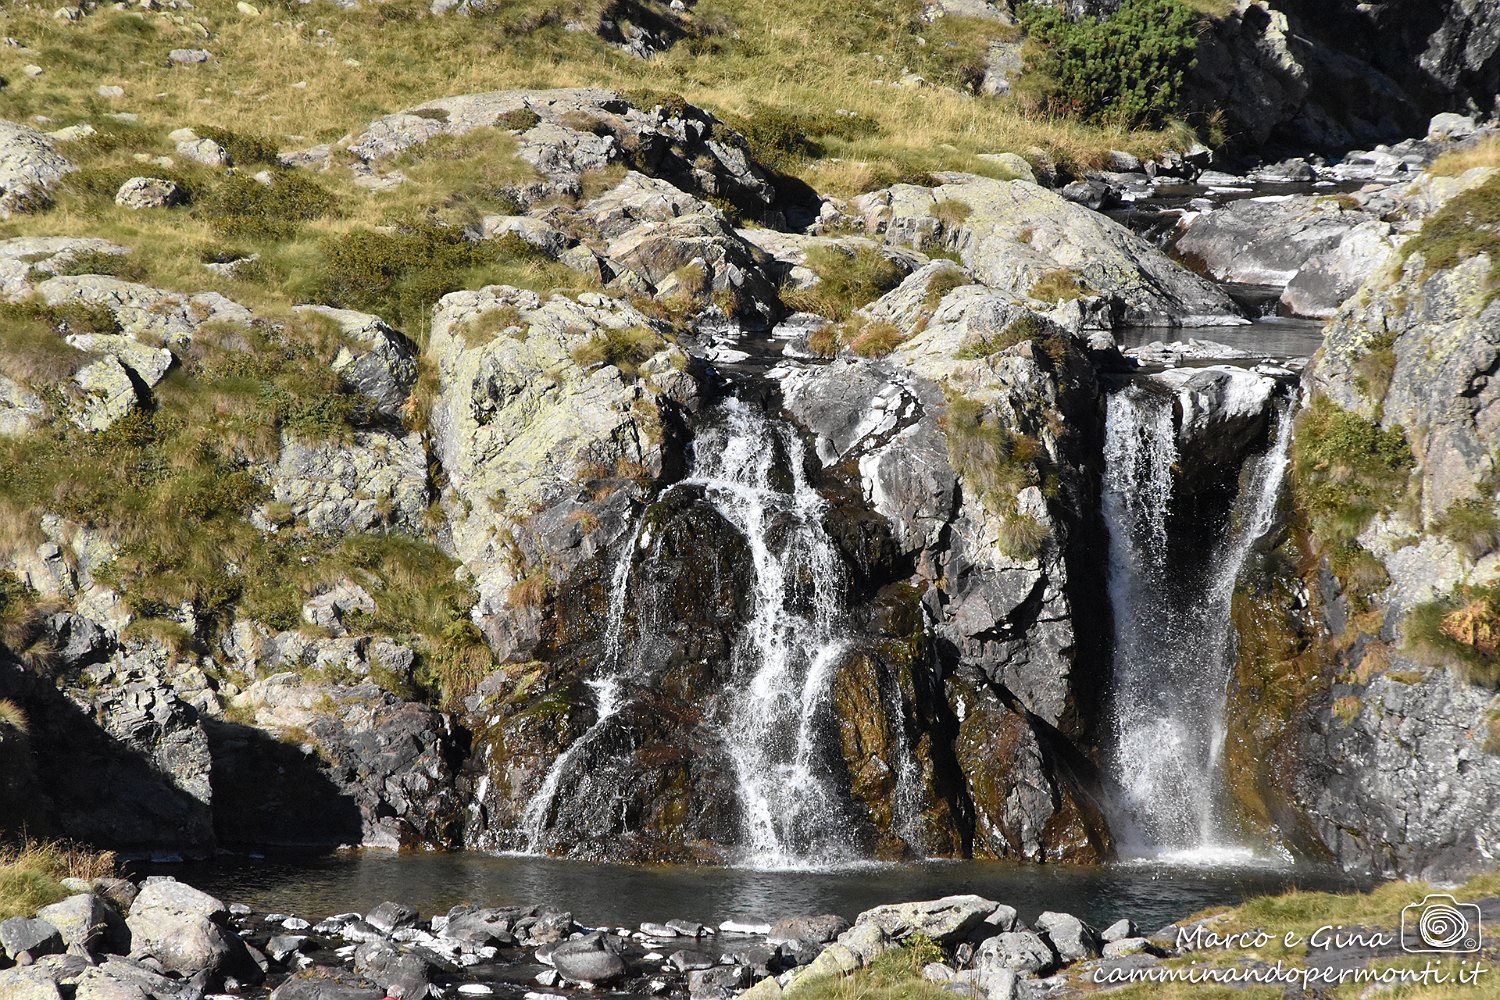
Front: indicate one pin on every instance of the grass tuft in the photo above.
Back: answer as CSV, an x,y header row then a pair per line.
x,y
31,874
847,279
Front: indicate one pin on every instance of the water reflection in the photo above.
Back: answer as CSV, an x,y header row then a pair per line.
x,y
1150,894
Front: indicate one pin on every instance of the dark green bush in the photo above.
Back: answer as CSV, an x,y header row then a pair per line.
x,y
241,206
400,274
781,138
1347,469
244,150
1127,68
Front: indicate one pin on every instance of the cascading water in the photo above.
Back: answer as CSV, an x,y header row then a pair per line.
x,y
608,700
775,714
1174,644
777,709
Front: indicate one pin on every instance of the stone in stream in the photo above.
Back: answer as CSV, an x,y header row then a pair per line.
x,y
327,984
284,946
688,960
29,934
589,959
658,930
480,927
946,921
744,927
384,963
1071,938
718,983
689,928
1117,931
391,917
818,929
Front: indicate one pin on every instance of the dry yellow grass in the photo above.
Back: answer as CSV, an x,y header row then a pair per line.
x,y
1485,153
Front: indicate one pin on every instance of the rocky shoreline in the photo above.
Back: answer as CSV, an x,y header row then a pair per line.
x,y
161,939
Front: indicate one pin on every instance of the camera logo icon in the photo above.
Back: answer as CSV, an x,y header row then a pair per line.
x,y
1440,923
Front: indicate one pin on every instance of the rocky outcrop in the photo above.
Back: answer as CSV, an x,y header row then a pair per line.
x,y
374,482
30,167
563,134
536,399
1334,75
1037,247
1267,241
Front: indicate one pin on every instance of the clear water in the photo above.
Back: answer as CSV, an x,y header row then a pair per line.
x,y
622,895
1174,643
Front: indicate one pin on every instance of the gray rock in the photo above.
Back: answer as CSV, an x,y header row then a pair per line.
x,y
149,192
373,482
188,57
718,983
30,167
88,921
284,946
1019,951
479,927
1450,125
106,393
391,917
186,930
1118,931
204,151
1266,241
328,609
818,929
27,934
404,974
375,360
1017,233
1328,280
20,409
589,959
327,984
28,984
686,960
1071,938
1124,946
946,921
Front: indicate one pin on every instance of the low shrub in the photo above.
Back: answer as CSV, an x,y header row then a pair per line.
x,y
782,138
941,284
1346,469
1022,536
32,871
625,349
244,150
1466,227
875,339
993,461
1059,285
1375,368
847,279
240,206
1126,69
1461,629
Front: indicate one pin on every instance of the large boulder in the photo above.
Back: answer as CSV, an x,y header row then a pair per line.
x,y
374,360
322,983
1033,244
946,921
589,959
89,921
30,983
1266,241
28,934
144,313
186,930
30,167
26,260
375,481
533,395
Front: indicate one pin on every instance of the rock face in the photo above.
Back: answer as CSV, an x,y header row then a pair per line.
x,y
520,422
30,167
1386,714
1031,243
1264,241
1339,74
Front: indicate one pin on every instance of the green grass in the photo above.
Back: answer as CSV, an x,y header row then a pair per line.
x,y
1059,286
1347,470
847,279
995,463
1466,227
31,874
1460,629
1471,525
625,349
894,975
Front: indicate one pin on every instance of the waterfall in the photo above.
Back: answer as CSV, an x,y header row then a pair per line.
x,y
1174,643
776,711
608,700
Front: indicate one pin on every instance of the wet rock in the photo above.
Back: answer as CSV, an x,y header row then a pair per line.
x,y
589,959
284,946
686,960
36,937
718,983
817,929
30,167
1221,411
480,927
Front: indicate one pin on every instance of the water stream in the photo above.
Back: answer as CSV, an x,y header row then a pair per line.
x,y
1174,641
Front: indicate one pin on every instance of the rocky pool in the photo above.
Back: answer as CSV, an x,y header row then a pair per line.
x,y
1150,893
